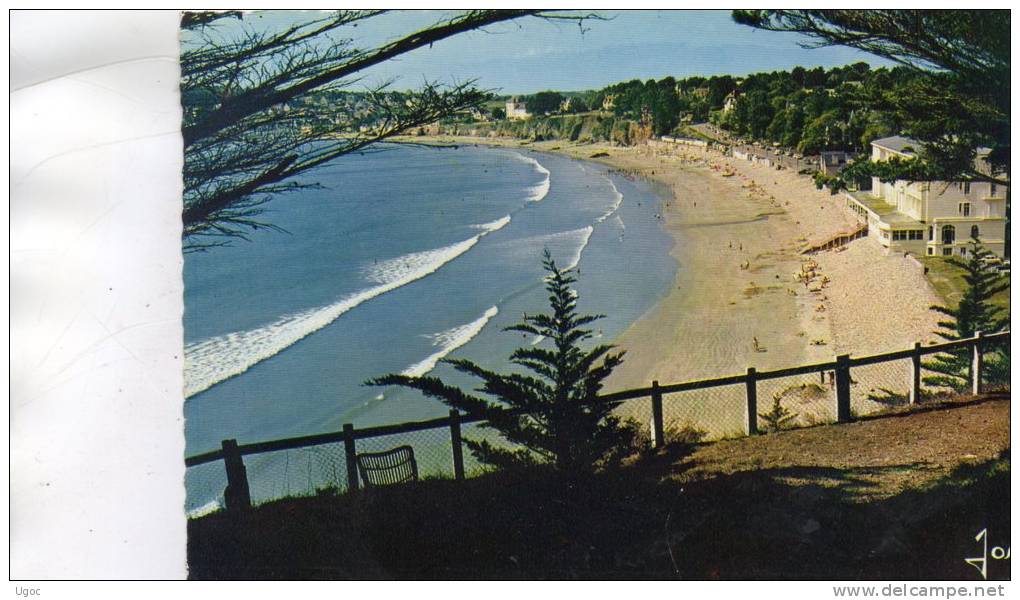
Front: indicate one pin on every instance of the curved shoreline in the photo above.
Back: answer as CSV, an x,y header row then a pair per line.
x,y
740,228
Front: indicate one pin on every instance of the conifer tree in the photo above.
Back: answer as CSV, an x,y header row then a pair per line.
x,y
779,417
975,312
550,417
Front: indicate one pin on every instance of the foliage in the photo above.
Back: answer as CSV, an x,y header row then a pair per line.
x,y
833,183
778,417
544,103
577,105
975,312
262,106
958,97
888,397
551,416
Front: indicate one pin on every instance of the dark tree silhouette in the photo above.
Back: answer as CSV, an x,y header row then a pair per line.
x,y
261,107
551,416
974,313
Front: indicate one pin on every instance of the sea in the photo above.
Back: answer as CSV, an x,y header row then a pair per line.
x,y
396,259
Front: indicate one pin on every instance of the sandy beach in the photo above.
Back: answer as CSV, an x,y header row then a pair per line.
x,y
737,301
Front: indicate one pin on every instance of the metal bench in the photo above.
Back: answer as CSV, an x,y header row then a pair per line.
x,y
389,467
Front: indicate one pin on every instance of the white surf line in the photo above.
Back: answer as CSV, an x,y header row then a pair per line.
x,y
448,341
584,234
216,359
616,204
539,191
205,509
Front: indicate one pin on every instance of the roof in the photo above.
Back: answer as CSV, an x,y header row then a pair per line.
x,y
897,143
885,211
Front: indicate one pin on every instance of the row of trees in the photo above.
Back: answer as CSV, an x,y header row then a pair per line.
x,y
843,112
808,109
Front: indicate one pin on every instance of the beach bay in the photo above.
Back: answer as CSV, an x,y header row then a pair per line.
x,y
740,230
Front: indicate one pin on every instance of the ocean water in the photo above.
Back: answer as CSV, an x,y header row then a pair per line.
x,y
403,257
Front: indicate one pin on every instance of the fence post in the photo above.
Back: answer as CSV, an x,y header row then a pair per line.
x,y
458,449
843,414
658,440
977,363
915,374
352,457
752,401
237,496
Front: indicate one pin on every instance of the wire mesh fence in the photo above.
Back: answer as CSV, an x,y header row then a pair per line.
x,y
204,484
995,370
715,409
796,401
950,372
433,450
638,410
479,432
880,386
706,414
301,471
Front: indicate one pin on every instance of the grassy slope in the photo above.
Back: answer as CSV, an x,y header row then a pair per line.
x,y
789,515
948,282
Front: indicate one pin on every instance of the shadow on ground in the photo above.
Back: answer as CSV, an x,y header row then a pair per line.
x,y
641,522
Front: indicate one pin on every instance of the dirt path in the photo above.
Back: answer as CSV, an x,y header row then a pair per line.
x,y
872,458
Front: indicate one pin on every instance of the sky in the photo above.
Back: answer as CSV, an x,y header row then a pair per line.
x,y
530,55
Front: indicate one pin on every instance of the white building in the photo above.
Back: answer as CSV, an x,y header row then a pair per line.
x,y
730,102
930,217
516,109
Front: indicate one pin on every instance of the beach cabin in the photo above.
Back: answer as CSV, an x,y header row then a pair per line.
x,y
933,218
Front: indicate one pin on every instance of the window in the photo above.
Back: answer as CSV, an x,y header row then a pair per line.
x,y
963,252
931,233
964,208
995,189
966,187
916,234
948,234
974,233
931,251
947,252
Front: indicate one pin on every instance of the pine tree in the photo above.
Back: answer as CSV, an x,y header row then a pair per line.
x,y
779,417
551,417
974,313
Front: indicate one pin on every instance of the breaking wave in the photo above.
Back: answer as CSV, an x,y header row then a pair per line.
x,y
582,235
617,201
216,359
448,341
539,191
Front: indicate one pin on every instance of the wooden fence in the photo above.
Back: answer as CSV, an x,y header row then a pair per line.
x,y
237,496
